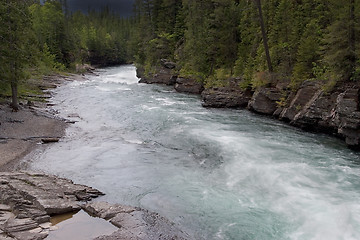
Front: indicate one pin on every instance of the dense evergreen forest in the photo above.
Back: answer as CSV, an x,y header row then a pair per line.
x,y
40,39
255,40
210,40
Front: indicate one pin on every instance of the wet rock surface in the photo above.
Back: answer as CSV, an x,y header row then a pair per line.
x,y
134,223
27,200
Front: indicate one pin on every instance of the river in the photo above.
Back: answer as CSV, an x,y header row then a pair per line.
x,y
218,174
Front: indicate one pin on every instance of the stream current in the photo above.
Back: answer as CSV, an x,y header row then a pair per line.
x,y
217,174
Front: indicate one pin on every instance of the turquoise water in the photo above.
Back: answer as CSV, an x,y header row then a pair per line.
x,y
218,174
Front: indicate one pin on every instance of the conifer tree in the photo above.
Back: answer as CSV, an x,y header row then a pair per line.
x,y
15,49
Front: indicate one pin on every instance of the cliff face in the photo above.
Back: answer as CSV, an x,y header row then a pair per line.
x,y
310,108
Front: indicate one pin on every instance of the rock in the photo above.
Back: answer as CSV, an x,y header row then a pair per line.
x,y
161,76
301,98
316,114
168,64
226,97
188,85
19,225
106,210
135,223
32,198
28,199
81,68
264,100
346,116
140,71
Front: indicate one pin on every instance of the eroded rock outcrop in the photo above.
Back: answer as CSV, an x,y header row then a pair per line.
x,y
188,85
264,100
309,108
134,223
163,74
230,96
29,199
334,113
298,100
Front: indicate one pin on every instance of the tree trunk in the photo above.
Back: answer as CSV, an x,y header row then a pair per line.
x,y
264,36
14,96
352,39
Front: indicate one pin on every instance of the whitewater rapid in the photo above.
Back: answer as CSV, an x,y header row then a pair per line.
x,y
218,174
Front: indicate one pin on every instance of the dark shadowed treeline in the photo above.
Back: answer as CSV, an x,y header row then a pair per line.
x,y
217,39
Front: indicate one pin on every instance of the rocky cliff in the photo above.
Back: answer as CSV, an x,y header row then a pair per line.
x,y
310,107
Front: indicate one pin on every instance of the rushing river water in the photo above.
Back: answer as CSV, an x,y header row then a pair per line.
x,y
218,174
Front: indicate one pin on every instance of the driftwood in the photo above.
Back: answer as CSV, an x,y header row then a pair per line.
x,y
49,140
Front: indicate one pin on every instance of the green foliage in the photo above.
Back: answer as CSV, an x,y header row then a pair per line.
x,y
308,39
308,54
38,39
218,79
16,44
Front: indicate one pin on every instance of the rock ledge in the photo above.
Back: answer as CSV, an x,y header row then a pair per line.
x,y
27,200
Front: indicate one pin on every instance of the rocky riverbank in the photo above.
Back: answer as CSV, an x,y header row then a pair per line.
x,y
335,112
28,201
34,124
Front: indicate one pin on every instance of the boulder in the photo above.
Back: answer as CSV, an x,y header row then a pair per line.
x,y
187,85
346,116
297,102
135,223
264,100
140,71
316,114
225,97
161,76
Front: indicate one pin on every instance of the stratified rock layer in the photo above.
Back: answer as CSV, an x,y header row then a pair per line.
x,y
187,85
310,108
135,223
27,200
229,96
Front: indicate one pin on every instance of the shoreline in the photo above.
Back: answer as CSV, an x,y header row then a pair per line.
x,y
34,124
310,108
29,200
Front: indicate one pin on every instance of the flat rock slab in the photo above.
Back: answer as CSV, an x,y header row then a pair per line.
x,y
135,223
27,200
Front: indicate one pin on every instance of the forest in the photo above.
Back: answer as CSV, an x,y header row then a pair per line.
x,y
255,40
41,39
210,40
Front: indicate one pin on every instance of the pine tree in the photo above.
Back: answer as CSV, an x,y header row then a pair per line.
x,y
339,53
15,49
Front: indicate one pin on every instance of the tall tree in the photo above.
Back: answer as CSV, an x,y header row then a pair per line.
x,y
340,41
264,35
15,32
